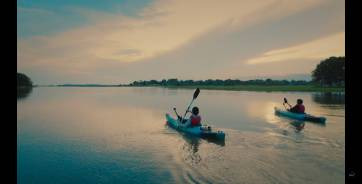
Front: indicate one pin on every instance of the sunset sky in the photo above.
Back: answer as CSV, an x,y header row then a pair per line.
x,y
120,41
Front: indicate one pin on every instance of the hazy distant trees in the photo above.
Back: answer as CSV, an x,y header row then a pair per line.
x,y
216,82
330,71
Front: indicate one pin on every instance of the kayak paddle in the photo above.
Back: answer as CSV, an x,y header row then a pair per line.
x,y
196,93
179,117
286,102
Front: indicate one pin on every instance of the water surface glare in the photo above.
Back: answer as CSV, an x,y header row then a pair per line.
x,y
118,135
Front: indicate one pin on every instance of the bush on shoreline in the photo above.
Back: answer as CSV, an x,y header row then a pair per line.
x,y
23,80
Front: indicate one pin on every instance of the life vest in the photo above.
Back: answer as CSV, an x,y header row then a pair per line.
x,y
195,120
300,108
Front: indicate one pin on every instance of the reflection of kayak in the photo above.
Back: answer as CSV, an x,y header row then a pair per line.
x,y
302,117
195,131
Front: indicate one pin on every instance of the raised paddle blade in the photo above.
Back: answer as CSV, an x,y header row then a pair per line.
x,y
196,93
285,100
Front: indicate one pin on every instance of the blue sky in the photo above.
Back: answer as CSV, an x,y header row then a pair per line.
x,y
89,41
45,17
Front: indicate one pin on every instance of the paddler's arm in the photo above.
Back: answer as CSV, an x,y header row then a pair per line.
x,y
185,115
187,123
290,107
178,116
293,109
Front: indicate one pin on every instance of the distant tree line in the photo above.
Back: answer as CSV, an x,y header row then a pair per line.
x,y
329,72
216,82
86,85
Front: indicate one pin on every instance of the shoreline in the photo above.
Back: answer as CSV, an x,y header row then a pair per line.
x,y
260,88
271,88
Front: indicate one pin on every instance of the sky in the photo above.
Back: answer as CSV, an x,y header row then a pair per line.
x,y
121,41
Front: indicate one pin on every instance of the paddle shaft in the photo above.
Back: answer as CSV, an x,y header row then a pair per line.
x,y
286,102
286,107
176,113
188,108
289,105
196,93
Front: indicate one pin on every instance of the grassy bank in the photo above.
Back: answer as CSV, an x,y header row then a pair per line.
x,y
306,88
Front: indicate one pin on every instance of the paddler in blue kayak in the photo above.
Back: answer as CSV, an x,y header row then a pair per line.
x,y
298,108
194,120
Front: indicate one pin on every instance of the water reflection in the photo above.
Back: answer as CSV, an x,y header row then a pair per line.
x,y
329,98
193,143
23,92
191,147
299,125
117,135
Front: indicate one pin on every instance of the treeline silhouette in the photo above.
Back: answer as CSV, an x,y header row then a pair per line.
x,y
24,85
216,82
23,80
330,72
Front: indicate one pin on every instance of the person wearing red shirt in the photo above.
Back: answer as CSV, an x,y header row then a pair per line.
x,y
298,108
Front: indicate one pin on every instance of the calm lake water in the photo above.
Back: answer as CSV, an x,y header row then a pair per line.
x,y
118,135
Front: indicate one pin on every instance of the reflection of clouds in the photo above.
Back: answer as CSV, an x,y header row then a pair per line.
x,y
264,110
132,120
108,121
79,119
118,126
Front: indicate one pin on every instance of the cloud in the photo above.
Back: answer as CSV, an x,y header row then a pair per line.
x,y
172,24
321,48
166,34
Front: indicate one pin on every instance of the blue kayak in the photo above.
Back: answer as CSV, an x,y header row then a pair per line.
x,y
298,116
195,131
